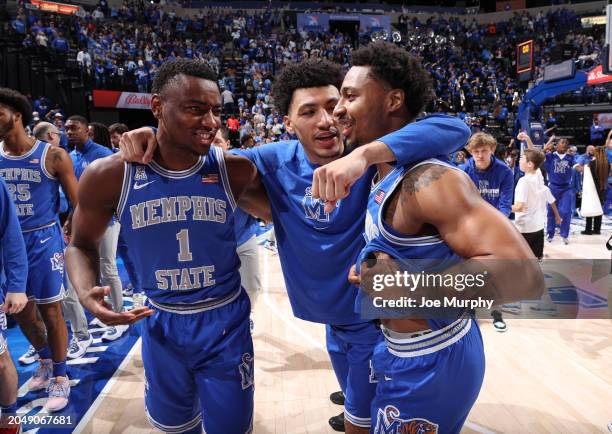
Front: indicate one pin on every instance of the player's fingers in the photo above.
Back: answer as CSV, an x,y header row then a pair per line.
x,y
151,146
330,205
341,187
330,187
315,183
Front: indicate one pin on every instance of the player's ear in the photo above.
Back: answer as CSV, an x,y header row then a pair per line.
x,y
395,100
156,106
288,124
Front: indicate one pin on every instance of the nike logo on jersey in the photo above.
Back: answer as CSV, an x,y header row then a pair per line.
x,y
45,240
138,186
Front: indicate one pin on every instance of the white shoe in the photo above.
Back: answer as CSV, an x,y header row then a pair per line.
x,y
565,241
40,379
59,391
78,347
113,333
137,300
29,356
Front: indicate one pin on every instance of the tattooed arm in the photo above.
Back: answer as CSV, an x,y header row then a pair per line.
x,y
439,198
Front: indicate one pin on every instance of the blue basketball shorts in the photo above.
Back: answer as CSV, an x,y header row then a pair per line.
x,y
45,248
427,383
350,349
199,368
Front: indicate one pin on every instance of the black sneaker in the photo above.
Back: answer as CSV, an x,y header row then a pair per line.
x,y
337,422
498,321
337,398
586,232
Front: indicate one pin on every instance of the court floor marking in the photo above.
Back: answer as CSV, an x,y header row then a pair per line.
x,y
107,387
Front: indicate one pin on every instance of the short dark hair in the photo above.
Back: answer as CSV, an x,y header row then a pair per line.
x,y
18,103
118,128
224,132
400,70
245,139
173,68
535,156
101,134
78,118
305,74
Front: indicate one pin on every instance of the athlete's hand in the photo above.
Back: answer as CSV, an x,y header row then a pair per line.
x,y
353,277
558,220
15,302
138,146
522,136
94,302
333,181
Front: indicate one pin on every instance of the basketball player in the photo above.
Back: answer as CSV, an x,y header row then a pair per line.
x,y
72,309
316,247
559,165
177,212
495,182
429,371
13,265
34,171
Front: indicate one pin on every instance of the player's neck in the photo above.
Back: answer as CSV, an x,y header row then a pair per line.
x,y
17,142
173,157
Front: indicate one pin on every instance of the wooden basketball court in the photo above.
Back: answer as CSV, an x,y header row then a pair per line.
x,y
542,376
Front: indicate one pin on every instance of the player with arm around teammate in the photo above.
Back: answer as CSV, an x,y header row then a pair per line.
x,y
177,211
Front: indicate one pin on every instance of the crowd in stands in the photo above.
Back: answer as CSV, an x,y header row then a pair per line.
x,y
473,65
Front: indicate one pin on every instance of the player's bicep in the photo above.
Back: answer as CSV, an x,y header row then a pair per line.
x,y
98,195
467,223
65,173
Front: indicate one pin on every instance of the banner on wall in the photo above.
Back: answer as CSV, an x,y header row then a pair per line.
x,y
596,76
123,100
320,22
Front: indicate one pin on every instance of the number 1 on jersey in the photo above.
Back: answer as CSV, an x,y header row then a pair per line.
x,y
184,252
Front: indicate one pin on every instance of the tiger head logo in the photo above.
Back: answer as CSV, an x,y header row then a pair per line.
x,y
389,422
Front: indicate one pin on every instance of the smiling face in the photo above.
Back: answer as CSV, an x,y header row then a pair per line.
x,y
189,113
360,111
310,118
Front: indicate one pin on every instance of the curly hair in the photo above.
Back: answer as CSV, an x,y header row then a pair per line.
x,y
305,74
17,103
400,70
173,68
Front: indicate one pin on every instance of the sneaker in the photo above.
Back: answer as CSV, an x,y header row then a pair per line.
x,y
586,232
337,398
565,241
78,347
114,332
97,323
337,422
498,321
29,356
40,379
549,239
128,291
59,390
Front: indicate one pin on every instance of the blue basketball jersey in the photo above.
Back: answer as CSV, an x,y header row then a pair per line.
x,y
414,253
33,189
559,169
316,249
181,226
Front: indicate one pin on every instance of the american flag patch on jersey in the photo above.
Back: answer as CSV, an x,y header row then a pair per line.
x,y
34,161
211,178
379,196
